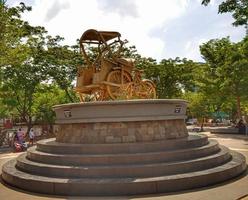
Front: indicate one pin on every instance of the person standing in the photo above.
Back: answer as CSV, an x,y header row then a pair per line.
x,y
31,137
20,135
241,126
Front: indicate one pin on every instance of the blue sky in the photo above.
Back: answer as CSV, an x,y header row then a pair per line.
x,y
158,28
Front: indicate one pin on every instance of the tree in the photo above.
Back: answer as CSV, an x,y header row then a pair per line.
x,y
238,8
13,31
46,96
30,57
172,77
61,64
200,106
226,74
20,69
20,83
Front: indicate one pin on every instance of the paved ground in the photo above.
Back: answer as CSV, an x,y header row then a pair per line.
x,y
232,190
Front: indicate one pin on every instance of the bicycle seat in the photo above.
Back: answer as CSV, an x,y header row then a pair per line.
x,y
126,61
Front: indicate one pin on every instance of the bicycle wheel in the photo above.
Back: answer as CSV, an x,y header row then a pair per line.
x,y
145,90
118,90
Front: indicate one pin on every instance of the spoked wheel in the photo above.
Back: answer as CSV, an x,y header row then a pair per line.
x,y
99,94
120,83
143,90
150,90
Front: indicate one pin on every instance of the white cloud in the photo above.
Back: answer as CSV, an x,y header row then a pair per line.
x,y
158,28
123,8
133,19
55,9
191,49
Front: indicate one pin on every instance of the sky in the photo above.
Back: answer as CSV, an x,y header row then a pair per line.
x,y
160,29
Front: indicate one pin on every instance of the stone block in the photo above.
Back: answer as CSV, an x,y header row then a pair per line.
x,y
112,139
94,140
97,126
147,138
157,136
155,124
103,132
86,139
120,132
109,139
117,140
117,125
129,138
131,131
162,135
81,140
132,124
172,135
55,129
101,139
74,139
76,131
138,136
101,126
161,130
150,130
143,126
111,132
67,128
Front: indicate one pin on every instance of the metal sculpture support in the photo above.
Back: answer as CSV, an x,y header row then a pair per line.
x,y
108,75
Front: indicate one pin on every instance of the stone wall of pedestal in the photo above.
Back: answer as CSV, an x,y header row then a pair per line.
x,y
121,132
121,121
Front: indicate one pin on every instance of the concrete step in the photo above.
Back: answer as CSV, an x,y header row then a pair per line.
x,y
51,146
123,186
130,170
127,158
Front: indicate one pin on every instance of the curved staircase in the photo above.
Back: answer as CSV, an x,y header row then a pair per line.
x,y
123,168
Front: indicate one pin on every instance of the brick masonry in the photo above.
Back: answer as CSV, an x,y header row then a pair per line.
x,y
121,132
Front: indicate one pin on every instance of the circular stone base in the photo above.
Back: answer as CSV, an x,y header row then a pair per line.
x,y
168,171
121,132
121,121
122,148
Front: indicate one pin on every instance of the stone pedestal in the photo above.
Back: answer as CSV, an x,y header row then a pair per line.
x,y
121,121
121,132
122,148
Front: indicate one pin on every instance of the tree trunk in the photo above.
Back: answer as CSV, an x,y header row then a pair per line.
x,y
238,108
29,124
68,95
202,124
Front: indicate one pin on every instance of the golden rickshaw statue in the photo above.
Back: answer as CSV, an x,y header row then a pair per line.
x,y
109,76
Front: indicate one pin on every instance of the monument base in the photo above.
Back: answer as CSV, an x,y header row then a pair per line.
x,y
122,152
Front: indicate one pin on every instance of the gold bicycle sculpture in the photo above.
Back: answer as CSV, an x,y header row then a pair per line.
x,y
109,76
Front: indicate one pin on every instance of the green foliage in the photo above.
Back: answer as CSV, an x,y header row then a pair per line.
x,y
28,58
37,71
225,75
61,63
13,33
172,77
45,98
200,106
20,72
238,8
